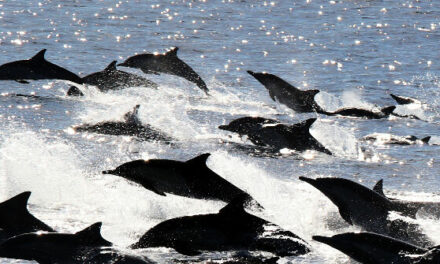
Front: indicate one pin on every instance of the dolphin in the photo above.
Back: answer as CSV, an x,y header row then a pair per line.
x,y
410,208
269,132
112,79
36,68
231,229
190,178
397,140
371,248
86,246
167,63
131,126
402,100
287,94
364,113
15,218
363,207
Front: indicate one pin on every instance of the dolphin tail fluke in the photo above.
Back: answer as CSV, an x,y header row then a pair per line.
x,y
426,139
402,100
378,187
92,236
388,110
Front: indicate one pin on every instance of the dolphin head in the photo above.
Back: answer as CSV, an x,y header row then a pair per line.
x,y
370,247
357,204
127,170
246,125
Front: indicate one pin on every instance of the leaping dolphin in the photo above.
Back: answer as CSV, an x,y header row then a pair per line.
x,y
402,100
364,113
363,207
112,79
397,140
131,126
84,247
15,218
269,132
371,248
36,68
165,63
190,178
287,94
230,229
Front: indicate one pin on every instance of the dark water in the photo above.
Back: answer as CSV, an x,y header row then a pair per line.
x,y
355,52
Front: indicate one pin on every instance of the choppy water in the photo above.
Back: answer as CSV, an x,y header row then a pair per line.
x,y
356,52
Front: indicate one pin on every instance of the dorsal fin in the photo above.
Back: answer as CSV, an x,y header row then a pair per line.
x,y
199,161
388,110
236,206
39,56
426,139
91,236
307,123
111,66
132,116
378,187
18,202
172,52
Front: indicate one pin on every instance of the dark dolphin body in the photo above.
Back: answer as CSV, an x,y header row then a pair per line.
x,y
190,178
36,68
86,246
229,230
287,94
357,112
269,132
371,248
15,218
112,79
165,63
130,127
410,208
363,207
398,140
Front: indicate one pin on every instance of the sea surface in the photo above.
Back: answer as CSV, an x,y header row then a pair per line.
x,y
356,52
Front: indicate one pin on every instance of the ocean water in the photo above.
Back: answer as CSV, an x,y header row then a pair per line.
x,y
356,52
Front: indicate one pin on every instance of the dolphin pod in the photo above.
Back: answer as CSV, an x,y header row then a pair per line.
x,y
268,132
131,126
36,68
112,79
232,228
371,248
191,178
368,209
165,63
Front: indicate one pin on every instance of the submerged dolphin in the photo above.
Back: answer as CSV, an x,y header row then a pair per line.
x,y
287,94
269,132
190,178
111,79
36,68
397,140
86,246
165,63
131,126
15,218
230,229
363,207
371,248
364,113
410,208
